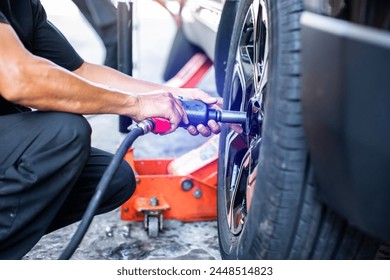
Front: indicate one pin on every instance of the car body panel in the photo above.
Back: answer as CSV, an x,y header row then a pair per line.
x,y
373,13
346,109
200,23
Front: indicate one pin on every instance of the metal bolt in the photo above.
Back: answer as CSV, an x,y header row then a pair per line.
x,y
187,185
197,193
109,231
153,201
137,180
126,209
126,231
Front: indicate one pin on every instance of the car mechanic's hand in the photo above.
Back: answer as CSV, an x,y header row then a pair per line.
x,y
164,104
160,104
213,102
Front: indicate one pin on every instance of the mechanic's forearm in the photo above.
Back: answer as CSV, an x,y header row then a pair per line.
x,y
110,77
45,86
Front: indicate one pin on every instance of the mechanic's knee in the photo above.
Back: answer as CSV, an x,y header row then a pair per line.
x,y
73,128
76,125
121,187
125,181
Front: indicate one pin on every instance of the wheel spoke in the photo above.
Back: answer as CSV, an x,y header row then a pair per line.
x,y
236,212
237,86
261,47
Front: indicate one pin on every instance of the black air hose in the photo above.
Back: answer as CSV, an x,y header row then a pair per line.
x,y
134,133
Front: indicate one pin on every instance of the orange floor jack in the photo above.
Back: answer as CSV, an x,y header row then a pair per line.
x,y
183,188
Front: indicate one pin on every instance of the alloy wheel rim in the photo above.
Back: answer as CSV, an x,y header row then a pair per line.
x,y
247,93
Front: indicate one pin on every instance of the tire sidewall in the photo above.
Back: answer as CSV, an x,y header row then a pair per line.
x,y
271,221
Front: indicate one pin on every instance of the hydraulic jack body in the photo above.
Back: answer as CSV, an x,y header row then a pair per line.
x,y
182,188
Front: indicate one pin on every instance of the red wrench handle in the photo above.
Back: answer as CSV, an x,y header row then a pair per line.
x,y
161,125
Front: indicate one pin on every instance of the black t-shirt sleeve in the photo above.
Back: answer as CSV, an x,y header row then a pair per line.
x,y
2,18
50,43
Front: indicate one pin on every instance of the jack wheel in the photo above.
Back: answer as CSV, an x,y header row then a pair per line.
x,y
153,226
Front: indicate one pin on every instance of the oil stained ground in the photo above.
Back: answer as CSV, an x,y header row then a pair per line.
x,y
109,238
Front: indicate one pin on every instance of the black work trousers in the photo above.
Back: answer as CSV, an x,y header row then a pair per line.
x,y
48,173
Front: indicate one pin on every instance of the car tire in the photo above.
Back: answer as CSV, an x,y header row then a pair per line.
x,y
280,215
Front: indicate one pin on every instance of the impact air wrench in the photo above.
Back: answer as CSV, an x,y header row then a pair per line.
x,y
199,112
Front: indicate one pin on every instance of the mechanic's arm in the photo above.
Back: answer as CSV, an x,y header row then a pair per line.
x,y
115,79
35,82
